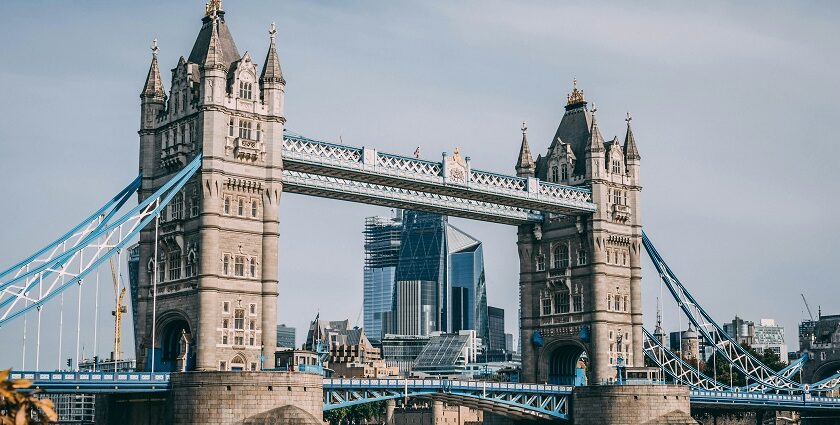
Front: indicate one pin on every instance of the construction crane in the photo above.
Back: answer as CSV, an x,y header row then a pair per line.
x,y
807,307
117,312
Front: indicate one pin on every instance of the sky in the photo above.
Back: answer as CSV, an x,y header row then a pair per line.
x,y
734,109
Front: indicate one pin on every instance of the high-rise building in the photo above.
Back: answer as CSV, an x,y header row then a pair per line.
x,y
467,283
770,337
422,275
286,336
382,252
422,262
509,342
495,344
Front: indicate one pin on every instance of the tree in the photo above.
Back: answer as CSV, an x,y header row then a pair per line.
x,y
356,414
20,408
720,368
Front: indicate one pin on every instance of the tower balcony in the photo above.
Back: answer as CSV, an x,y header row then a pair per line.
x,y
175,156
620,212
247,149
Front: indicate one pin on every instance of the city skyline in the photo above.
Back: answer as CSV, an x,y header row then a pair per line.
x,y
738,193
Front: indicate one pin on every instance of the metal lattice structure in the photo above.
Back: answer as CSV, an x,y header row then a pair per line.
x,y
66,261
421,182
677,368
763,377
535,401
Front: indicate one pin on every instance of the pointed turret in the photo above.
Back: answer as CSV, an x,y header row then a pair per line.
x,y
154,85
659,333
272,83
525,166
596,140
214,45
631,152
271,72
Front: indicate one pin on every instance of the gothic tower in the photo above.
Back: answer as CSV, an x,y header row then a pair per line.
x,y
580,276
216,268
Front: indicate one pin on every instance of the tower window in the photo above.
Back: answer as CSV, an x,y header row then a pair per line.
x,y
226,265
253,308
241,208
259,132
546,306
183,101
226,309
245,129
253,266
625,305
194,204
245,90
183,134
564,172
239,266
561,256
254,209
162,270
224,340
251,325
540,263
227,205
554,173
239,340
561,302
578,302
616,167
230,127
616,196
581,257
191,264
178,207
239,319
617,303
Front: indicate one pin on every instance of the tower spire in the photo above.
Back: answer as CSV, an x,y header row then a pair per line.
x,y
630,149
596,140
575,99
154,85
525,166
271,72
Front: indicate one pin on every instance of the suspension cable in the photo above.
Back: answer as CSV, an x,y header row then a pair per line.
x,y
154,289
79,310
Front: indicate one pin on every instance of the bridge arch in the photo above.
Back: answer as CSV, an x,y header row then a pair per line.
x,y
565,362
174,341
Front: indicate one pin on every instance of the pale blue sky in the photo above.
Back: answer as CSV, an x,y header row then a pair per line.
x,y
735,112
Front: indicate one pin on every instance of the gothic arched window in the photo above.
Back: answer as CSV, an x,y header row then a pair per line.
x,y
561,256
564,172
254,209
554,174
253,267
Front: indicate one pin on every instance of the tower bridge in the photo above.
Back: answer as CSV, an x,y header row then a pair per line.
x,y
215,159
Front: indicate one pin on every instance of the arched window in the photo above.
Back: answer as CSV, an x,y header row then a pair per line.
x,y
245,129
554,174
254,209
174,265
561,301
561,256
238,363
227,205
230,127
259,132
239,266
540,262
177,208
581,257
194,203
241,209
253,267
192,264
239,319
226,265
564,172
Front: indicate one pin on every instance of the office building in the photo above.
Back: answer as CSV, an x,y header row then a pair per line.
x,y
448,354
286,336
422,275
401,351
768,336
382,252
495,348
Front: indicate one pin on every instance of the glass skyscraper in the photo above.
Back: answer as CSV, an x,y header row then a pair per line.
x,y
382,252
422,275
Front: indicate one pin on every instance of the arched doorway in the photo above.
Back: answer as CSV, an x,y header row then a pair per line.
x,y
237,363
567,365
175,347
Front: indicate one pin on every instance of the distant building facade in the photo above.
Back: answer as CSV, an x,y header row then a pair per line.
x,y
448,354
382,253
765,336
401,351
286,336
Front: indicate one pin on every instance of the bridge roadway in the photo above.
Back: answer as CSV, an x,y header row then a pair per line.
x,y
527,400
451,186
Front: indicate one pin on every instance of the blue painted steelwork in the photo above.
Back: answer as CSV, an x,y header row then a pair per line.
x,y
109,235
741,359
804,401
541,401
96,382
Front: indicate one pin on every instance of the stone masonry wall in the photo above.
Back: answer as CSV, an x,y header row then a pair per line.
x,y
631,405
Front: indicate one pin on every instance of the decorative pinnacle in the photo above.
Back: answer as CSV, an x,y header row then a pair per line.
x,y
576,96
629,118
272,32
524,128
155,48
594,109
212,6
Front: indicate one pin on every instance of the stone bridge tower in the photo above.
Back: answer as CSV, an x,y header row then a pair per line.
x,y
580,276
216,268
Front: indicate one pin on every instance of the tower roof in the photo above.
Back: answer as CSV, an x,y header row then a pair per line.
x,y
214,43
575,99
154,84
630,149
525,163
573,130
271,72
